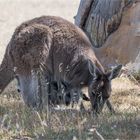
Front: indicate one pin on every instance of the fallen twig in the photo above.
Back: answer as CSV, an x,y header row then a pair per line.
x,y
97,133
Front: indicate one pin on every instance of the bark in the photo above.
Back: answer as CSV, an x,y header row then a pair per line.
x,y
104,17
83,12
100,18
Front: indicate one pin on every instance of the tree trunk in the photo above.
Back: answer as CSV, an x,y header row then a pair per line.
x,y
83,12
99,18
113,26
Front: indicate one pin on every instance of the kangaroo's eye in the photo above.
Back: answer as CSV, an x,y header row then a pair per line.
x,y
100,85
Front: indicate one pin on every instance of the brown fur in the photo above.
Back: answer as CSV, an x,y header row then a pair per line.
x,y
6,71
62,49
21,51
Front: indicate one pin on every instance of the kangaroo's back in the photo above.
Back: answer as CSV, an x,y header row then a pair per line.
x,y
68,42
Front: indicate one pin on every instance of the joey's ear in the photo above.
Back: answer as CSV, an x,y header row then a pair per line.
x,y
114,72
94,71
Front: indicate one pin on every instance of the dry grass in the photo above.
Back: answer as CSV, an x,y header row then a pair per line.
x,y
19,122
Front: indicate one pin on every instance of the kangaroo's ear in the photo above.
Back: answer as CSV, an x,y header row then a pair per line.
x,y
94,71
114,72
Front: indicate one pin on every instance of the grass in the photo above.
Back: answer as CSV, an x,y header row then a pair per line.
x,y
20,123
17,122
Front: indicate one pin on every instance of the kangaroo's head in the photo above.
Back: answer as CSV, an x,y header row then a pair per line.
x,y
100,86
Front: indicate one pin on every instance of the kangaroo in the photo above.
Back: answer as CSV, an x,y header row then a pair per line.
x,y
65,54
